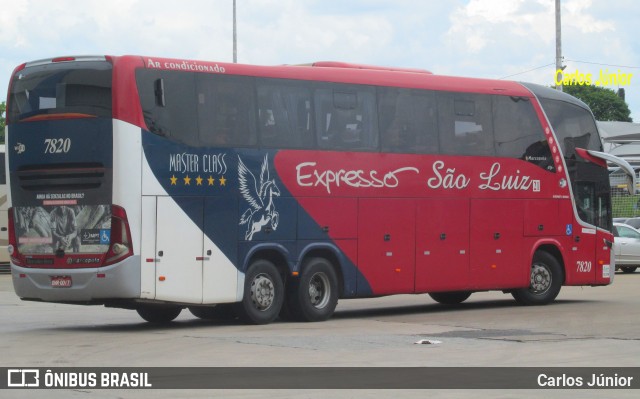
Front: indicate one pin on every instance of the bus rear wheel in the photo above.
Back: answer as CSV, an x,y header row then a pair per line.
x,y
159,314
545,283
263,294
450,298
628,269
314,295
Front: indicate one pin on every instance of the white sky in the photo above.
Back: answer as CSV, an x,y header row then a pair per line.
x,y
477,38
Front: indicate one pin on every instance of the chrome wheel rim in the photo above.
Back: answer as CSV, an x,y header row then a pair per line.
x,y
319,290
263,292
540,279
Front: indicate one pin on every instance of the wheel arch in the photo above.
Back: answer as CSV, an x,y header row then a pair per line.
x,y
553,249
275,253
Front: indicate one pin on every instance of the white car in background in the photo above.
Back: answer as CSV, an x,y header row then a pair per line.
x,y
627,247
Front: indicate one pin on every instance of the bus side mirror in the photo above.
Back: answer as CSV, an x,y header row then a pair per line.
x,y
603,158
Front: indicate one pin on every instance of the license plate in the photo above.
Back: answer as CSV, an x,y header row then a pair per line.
x,y
606,271
61,281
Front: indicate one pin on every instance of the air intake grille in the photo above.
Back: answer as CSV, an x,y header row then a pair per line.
x,y
61,177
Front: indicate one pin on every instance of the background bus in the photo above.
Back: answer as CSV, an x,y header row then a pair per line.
x,y
4,228
158,184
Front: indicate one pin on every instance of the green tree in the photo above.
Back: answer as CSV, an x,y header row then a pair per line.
x,y
605,104
3,107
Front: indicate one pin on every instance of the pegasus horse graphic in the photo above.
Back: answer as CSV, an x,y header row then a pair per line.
x,y
259,196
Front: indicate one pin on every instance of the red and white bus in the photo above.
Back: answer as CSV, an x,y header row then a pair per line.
x,y
160,184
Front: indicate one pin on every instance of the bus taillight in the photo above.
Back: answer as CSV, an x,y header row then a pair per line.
x,y
120,247
16,258
63,59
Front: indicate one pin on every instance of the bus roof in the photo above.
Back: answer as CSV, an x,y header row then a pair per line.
x,y
330,71
338,72
336,64
553,94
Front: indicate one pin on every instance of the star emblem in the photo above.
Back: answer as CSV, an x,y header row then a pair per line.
x,y
199,181
223,181
211,180
174,180
187,180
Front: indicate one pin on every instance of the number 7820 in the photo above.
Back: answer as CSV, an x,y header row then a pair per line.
x,y
57,146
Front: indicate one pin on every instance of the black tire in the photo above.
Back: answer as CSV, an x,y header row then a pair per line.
x,y
159,314
223,311
263,294
546,280
450,298
628,269
314,295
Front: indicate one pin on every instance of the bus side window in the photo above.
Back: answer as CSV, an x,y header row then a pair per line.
x,y
585,201
226,110
345,118
408,121
518,132
176,119
465,124
284,115
324,112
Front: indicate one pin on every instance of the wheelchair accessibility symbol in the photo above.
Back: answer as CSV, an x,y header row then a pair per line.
x,y
105,237
569,229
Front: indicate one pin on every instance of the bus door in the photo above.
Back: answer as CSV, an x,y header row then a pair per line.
x,y
179,248
386,244
581,269
220,277
442,245
189,266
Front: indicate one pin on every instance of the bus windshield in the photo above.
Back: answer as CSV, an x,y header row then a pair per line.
x,y
575,128
70,87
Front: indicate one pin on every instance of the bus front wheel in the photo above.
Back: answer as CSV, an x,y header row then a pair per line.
x,y
159,314
545,282
263,294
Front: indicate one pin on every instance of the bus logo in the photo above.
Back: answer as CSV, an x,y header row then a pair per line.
x,y
90,237
23,378
259,196
20,148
